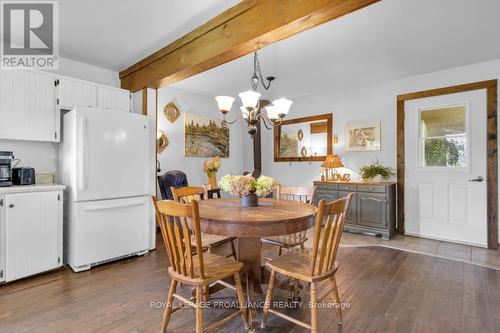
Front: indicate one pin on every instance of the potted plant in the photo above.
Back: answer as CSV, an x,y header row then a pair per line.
x,y
248,188
211,167
375,172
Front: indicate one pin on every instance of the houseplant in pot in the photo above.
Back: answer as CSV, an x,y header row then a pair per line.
x,y
248,188
211,167
375,172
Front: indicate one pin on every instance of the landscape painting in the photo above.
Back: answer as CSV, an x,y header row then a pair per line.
x,y
362,137
205,137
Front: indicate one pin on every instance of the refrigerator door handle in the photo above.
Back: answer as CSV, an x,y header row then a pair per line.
x,y
115,206
84,150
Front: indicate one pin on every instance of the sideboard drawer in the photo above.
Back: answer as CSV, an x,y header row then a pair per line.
x,y
343,187
329,187
371,188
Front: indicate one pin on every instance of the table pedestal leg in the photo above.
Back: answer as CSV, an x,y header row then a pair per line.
x,y
249,254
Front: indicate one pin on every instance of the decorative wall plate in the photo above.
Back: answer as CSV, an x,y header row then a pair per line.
x,y
161,142
300,135
303,152
171,112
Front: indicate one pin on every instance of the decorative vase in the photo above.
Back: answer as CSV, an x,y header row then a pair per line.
x,y
212,180
251,200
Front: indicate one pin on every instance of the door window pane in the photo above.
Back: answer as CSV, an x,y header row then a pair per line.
x,y
443,137
443,122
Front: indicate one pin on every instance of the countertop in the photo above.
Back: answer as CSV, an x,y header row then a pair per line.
x,y
31,188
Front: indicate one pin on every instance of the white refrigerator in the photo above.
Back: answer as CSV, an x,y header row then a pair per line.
x,y
104,164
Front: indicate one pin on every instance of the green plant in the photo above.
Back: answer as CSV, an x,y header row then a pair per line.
x,y
376,168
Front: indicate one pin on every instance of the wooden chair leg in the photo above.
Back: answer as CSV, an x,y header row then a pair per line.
x,y
169,306
206,293
233,249
199,309
314,308
296,284
302,246
279,251
241,299
269,297
336,297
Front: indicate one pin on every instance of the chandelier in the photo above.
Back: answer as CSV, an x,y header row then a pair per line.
x,y
252,107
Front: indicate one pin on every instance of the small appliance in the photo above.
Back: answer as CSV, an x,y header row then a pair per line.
x,y
23,176
6,158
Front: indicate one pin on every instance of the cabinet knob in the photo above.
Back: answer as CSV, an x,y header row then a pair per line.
x,y
11,206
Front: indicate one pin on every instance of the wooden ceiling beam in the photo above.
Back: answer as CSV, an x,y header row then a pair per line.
x,y
247,26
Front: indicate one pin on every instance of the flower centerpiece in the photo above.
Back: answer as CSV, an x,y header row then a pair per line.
x,y
211,167
248,188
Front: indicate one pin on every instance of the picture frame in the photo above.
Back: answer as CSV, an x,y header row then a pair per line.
x,y
171,112
363,136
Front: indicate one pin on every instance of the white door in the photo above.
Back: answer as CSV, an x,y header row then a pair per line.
x,y
74,93
33,233
27,106
114,99
445,167
112,154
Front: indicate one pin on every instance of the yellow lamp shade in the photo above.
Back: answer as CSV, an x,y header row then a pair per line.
x,y
332,161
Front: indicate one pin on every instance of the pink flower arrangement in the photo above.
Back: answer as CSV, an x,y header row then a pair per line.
x,y
246,185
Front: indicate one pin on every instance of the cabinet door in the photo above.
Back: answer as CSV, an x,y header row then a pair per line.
x,y
32,231
351,214
372,210
71,93
114,99
27,107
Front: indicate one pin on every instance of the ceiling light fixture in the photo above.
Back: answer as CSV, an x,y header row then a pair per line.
x,y
252,109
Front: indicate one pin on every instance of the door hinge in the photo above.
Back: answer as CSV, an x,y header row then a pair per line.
x,y
1,202
1,273
58,260
56,82
57,101
58,197
55,135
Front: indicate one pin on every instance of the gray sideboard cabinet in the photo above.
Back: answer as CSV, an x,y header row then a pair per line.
x,y
373,206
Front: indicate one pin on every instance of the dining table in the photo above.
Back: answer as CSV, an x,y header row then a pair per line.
x,y
227,217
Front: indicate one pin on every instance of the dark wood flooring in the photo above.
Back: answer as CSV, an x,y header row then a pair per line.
x,y
388,291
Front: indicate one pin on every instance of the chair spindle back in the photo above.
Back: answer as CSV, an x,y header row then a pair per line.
x,y
176,235
326,243
187,194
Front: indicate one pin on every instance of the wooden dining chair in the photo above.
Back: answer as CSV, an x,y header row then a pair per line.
x,y
186,195
199,269
287,242
314,265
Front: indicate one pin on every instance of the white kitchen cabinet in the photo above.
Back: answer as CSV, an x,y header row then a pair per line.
x,y
27,106
32,235
72,93
113,98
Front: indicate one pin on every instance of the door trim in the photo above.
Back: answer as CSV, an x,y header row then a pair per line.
x,y
491,150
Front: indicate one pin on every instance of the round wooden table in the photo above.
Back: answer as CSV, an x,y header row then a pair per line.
x,y
226,217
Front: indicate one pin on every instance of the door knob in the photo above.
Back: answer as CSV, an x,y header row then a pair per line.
x,y
477,179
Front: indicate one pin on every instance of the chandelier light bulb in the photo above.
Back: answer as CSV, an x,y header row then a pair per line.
x,y
225,103
244,112
283,106
249,98
272,112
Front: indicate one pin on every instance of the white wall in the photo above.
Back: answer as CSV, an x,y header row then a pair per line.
x,y
43,156
172,158
370,103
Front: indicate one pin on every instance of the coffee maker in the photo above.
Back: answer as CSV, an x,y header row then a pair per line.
x,y
6,159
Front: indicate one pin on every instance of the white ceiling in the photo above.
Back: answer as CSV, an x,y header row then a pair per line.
x,y
115,34
388,40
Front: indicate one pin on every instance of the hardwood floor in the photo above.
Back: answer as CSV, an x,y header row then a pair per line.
x,y
388,291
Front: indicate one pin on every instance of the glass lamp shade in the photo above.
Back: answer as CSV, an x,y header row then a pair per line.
x,y
332,161
249,98
283,106
224,103
272,112
244,112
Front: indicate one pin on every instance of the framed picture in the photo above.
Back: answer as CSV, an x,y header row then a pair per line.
x,y
205,137
362,136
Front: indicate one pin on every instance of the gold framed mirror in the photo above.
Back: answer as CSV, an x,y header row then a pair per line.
x,y
171,112
304,139
161,141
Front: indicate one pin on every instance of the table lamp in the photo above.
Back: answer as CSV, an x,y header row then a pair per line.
x,y
332,161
